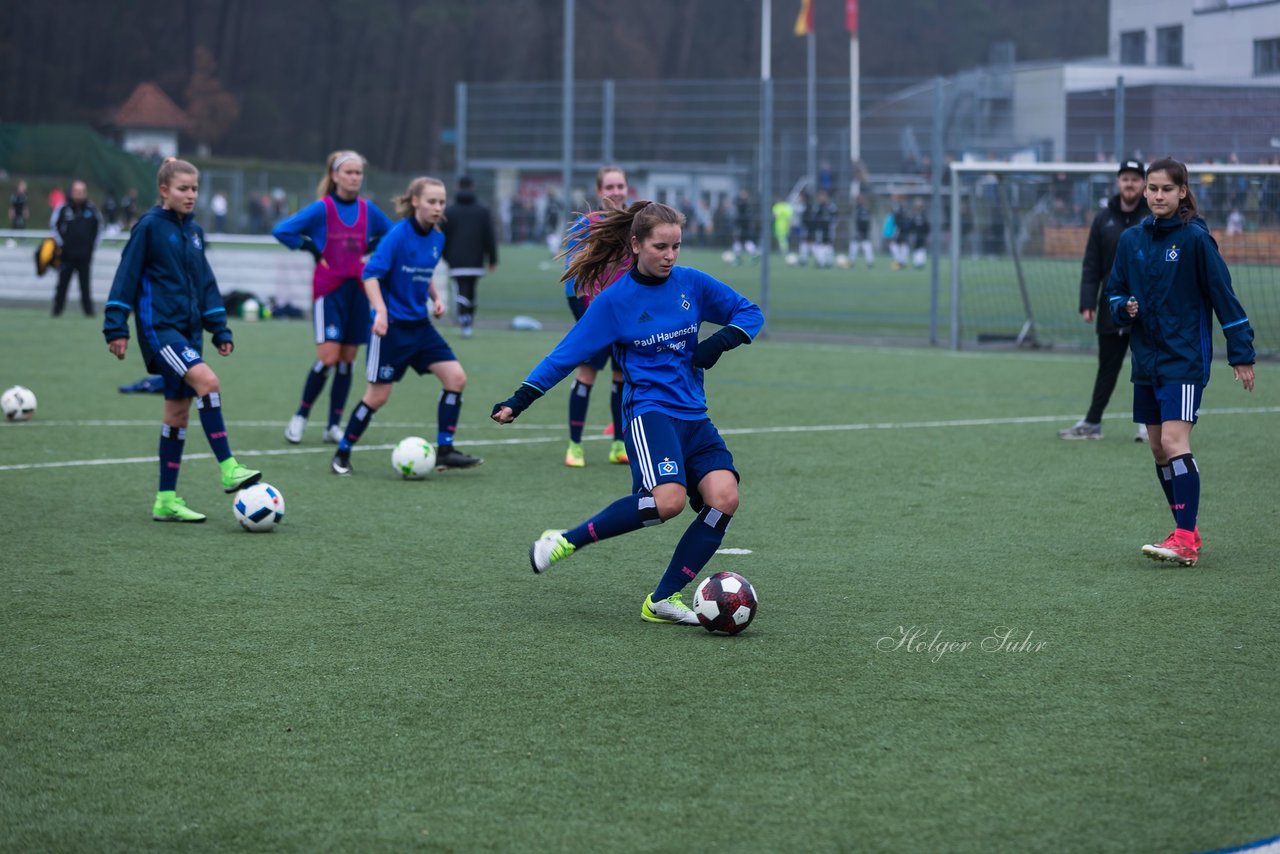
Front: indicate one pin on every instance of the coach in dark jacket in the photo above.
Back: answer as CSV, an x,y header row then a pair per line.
x,y
77,227
1126,208
470,249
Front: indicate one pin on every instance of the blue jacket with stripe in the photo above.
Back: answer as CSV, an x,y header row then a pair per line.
x,y
1175,272
165,280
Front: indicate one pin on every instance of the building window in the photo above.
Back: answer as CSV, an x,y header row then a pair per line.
x,y
1266,56
1169,45
1133,47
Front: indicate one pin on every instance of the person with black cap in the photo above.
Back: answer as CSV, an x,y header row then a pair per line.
x,y
470,248
1123,210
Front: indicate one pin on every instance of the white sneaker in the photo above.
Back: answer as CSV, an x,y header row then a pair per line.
x,y
293,433
1141,435
669,610
1081,430
549,548
333,435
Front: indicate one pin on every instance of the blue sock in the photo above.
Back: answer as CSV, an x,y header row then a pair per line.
x,y
695,548
579,397
360,419
447,417
338,395
621,517
171,441
210,409
1164,474
615,409
316,378
1186,491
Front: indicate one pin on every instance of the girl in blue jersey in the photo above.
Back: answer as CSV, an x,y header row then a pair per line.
x,y
339,230
651,318
1167,282
611,186
165,281
398,282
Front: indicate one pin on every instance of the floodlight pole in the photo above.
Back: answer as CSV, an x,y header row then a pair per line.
x,y
566,110
765,206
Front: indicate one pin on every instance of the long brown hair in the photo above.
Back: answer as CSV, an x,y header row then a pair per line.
x,y
1178,175
606,248
404,204
327,185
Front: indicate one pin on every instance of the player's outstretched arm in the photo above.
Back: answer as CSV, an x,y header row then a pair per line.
x,y
509,409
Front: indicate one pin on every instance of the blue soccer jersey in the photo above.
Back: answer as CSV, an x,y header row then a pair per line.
x,y
403,264
652,325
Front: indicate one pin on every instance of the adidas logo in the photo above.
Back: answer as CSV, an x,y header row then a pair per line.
x,y
644,317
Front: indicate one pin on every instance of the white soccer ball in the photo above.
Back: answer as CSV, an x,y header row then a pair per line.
x,y
18,403
729,256
842,261
791,259
414,458
259,507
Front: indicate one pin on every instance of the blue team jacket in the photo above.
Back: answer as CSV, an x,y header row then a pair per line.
x,y
165,279
1177,275
652,325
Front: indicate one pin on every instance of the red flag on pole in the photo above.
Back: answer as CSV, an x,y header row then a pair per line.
x,y
804,21
851,16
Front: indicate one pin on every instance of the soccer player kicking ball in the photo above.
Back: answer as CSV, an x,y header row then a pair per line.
x,y
165,280
398,282
651,317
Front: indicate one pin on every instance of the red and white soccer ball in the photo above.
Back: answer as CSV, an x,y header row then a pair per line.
x,y
725,602
18,403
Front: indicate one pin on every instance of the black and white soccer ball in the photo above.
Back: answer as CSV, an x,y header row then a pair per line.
x,y
725,602
18,403
259,507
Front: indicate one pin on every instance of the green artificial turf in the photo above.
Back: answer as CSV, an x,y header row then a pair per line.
x,y
383,672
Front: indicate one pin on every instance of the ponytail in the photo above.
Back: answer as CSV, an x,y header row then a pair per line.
x,y
605,250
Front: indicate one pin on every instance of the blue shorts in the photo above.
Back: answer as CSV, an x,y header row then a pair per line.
x,y
1156,404
663,449
601,358
343,315
408,344
172,360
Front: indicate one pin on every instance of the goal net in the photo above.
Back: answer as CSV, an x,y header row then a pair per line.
x,y
1017,233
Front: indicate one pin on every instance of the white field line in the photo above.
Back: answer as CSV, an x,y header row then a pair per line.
x,y
559,437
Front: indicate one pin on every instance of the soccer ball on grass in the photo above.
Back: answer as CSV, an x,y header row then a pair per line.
x,y
414,458
725,602
259,507
18,403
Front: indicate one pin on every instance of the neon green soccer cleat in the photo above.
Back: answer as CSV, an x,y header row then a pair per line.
x,y
235,476
573,457
170,508
549,548
670,610
618,453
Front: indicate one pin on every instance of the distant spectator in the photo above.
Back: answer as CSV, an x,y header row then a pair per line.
x,y
470,248
56,198
257,215
18,206
129,209
110,210
77,228
218,207
744,225
1235,222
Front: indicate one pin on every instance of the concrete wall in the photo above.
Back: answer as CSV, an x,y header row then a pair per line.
x,y
1217,35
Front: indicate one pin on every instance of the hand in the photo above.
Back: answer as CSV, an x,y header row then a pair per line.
x,y
380,323
118,347
438,308
321,262
503,414
1132,307
225,348
1088,315
1244,374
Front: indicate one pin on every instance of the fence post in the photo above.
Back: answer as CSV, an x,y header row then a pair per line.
x,y
460,129
1121,153
935,206
607,96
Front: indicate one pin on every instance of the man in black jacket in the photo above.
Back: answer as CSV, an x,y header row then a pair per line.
x,y
470,248
1125,209
77,228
